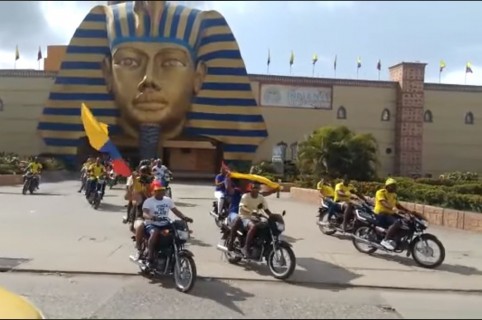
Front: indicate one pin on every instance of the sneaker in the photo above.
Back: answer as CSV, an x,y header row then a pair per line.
x,y
137,256
388,244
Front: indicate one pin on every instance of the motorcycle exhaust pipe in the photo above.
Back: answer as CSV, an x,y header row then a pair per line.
x,y
373,244
212,213
222,248
323,224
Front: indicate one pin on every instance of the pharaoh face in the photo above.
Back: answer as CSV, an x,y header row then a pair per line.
x,y
153,83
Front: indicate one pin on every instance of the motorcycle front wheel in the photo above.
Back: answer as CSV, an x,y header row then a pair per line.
x,y
185,284
323,224
25,188
420,249
275,255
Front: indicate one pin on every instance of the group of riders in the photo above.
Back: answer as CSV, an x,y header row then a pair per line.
x,y
340,199
146,194
146,197
239,198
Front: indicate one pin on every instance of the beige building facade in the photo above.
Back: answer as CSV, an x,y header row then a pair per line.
x,y
421,128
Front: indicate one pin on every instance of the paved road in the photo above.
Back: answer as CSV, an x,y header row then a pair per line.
x,y
107,297
57,230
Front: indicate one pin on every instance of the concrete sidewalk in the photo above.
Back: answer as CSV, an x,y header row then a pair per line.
x,y
58,231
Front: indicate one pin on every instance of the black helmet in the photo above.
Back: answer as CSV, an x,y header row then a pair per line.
x,y
145,170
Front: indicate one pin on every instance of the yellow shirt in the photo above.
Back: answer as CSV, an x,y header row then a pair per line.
x,y
249,204
96,170
346,189
384,195
325,190
35,167
137,186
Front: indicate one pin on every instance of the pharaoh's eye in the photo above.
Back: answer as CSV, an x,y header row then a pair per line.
x,y
173,63
128,62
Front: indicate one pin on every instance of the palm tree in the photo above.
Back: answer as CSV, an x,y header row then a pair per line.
x,y
335,151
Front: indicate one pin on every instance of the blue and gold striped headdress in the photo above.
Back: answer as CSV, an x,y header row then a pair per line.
x,y
225,109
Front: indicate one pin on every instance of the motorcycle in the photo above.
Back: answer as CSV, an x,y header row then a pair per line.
x,y
220,218
171,255
95,196
112,179
167,179
367,239
267,245
330,225
30,183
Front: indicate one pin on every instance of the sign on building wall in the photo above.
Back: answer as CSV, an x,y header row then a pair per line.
x,y
274,95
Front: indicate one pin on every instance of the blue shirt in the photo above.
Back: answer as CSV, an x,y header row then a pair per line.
x,y
220,178
235,200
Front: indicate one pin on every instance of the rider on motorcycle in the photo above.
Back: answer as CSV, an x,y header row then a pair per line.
x,y
161,172
327,193
94,171
83,172
220,188
35,168
155,209
235,190
344,192
250,202
385,204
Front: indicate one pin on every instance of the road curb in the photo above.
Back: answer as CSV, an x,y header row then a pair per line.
x,y
320,285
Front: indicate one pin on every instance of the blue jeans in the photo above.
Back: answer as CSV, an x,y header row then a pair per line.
x,y
386,220
332,207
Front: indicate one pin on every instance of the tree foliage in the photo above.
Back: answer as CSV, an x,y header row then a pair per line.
x,y
336,151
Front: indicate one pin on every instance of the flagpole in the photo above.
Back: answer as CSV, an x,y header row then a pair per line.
x,y
313,71
440,76
291,69
38,64
15,65
357,69
378,75
267,71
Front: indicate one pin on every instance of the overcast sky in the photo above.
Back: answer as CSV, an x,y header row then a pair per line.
x,y
390,31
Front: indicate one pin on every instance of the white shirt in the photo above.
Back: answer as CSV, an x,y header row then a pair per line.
x,y
129,182
158,208
159,173
248,204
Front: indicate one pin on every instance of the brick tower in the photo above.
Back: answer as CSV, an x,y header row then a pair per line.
x,y
409,117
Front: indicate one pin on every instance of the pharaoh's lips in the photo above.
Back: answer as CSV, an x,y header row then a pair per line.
x,y
149,102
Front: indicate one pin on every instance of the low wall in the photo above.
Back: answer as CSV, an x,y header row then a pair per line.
x,y
470,221
10,179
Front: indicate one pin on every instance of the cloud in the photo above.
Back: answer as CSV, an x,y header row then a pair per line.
x,y
459,76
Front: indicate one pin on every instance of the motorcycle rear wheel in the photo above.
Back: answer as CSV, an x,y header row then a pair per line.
x,y
363,232
325,229
231,256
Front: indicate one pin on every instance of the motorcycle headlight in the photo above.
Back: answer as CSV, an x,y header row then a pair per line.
x,y
183,235
280,226
424,223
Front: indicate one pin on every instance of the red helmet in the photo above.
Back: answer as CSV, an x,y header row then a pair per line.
x,y
157,185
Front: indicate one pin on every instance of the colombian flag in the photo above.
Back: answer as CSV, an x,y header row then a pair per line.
x,y
98,135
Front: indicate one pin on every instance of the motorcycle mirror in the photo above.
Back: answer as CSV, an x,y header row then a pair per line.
x,y
284,213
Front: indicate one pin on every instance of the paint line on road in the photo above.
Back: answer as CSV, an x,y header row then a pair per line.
x,y
319,285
